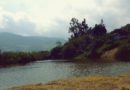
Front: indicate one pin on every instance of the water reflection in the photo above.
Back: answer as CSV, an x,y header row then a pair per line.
x,y
83,69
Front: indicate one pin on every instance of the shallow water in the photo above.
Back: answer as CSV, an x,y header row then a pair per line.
x,y
44,71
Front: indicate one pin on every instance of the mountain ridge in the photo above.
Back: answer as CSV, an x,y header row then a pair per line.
x,y
15,42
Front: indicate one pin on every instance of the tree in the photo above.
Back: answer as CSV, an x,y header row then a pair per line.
x,y
58,43
76,28
56,52
123,53
85,26
99,29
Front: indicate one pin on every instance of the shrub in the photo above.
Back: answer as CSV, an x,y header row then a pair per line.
x,y
56,53
123,53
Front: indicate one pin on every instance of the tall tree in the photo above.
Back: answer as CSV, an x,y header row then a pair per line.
x,y
77,28
99,29
74,27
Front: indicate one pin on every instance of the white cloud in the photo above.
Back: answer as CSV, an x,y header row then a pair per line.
x,y
18,23
49,17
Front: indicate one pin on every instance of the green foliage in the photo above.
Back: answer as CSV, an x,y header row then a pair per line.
x,y
40,55
87,42
56,52
80,28
76,28
123,53
7,58
69,51
99,30
81,57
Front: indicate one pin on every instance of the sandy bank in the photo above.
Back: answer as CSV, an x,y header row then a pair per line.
x,y
121,82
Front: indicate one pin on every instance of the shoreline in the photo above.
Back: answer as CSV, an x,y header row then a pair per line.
x,y
121,82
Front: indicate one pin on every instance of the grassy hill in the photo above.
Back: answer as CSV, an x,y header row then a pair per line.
x,y
95,43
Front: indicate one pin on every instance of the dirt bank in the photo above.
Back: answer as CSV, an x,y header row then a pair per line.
x,y
110,55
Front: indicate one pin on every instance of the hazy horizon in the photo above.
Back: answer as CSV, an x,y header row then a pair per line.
x,y
51,18
40,36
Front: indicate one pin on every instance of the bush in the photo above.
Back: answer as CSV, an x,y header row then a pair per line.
x,y
7,58
123,53
93,54
69,51
56,53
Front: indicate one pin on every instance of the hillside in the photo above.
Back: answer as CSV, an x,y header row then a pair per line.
x,y
13,42
94,43
86,43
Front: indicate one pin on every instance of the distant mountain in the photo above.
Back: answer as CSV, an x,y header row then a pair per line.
x,y
13,42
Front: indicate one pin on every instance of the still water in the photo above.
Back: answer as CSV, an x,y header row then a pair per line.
x,y
44,71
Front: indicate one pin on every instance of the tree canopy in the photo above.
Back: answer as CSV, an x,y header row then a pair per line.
x,y
78,29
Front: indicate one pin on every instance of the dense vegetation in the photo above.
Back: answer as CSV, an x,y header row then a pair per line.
x,y
93,42
11,58
85,43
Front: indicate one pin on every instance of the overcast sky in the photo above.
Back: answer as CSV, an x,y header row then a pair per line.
x,y
52,17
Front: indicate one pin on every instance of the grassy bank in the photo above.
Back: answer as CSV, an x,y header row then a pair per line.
x,y
14,58
121,82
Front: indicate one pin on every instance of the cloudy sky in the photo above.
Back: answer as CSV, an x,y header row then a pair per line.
x,y
51,17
